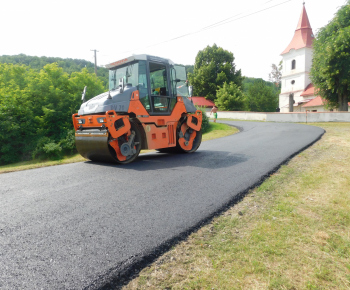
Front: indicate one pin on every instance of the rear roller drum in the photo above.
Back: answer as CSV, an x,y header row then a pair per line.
x,y
187,135
183,135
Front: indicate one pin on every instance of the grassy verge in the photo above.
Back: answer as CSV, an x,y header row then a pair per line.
x,y
216,131
292,232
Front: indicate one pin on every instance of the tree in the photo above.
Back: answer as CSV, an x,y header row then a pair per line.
x,y
213,67
16,116
231,98
262,97
276,74
330,69
189,68
36,110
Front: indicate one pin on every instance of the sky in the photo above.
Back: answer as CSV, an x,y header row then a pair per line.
x,y
255,31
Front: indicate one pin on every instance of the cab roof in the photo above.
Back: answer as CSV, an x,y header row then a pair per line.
x,y
138,57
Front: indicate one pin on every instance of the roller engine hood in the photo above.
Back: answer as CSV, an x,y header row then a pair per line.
x,y
117,101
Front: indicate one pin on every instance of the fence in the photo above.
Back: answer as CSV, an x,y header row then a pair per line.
x,y
295,117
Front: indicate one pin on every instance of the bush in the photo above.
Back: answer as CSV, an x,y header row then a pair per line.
x,y
47,149
53,151
68,143
36,109
231,98
205,120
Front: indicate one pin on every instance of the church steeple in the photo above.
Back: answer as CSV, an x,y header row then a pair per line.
x,y
303,35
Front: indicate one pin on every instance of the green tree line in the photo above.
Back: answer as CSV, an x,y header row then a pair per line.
x,y
67,64
214,76
36,108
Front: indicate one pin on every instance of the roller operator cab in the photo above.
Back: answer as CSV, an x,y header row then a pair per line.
x,y
146,107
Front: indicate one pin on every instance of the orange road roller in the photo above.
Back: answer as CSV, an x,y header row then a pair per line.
x,y
146,107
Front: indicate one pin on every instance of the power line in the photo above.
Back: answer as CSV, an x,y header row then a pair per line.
x,y
256,12
214,25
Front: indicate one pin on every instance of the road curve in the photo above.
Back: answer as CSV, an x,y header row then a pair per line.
x,y
83,225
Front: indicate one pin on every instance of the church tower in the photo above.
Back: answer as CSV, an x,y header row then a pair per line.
x,y
296,87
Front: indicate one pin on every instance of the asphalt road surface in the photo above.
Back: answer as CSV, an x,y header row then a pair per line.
x,y
85,225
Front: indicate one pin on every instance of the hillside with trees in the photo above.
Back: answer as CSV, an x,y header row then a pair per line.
x,y
68,65
262,96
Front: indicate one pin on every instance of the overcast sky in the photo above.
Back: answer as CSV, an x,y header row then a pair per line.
x,y
256,32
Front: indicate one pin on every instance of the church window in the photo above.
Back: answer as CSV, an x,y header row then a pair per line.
x,y
293,64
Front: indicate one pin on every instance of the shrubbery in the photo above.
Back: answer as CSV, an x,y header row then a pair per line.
x,y
205,120
36,110
231,98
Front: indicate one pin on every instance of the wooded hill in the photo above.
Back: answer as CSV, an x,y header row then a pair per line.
x,y
69,65
262,96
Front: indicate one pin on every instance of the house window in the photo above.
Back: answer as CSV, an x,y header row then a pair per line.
x,y
292,82
293,63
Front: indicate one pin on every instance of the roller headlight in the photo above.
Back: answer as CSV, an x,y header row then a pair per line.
x,y
101,120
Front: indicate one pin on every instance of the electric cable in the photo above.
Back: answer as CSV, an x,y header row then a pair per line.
x,y
214,25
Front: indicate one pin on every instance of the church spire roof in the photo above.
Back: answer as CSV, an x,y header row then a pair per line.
x,y
303,35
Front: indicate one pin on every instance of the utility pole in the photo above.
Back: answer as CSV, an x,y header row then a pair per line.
x,y
95,60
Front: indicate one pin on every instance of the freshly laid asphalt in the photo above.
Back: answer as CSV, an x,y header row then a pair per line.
x,y
88,225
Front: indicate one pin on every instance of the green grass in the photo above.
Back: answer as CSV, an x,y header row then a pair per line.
x,y
39,163
216,131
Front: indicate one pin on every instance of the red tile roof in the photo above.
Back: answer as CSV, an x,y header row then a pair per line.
x,y
202,101
309,91
318,101
303,35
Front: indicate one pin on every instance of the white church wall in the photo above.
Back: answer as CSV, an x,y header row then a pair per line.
x,y
295,80
303,59
308,64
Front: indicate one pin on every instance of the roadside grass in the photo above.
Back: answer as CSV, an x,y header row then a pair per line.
x,y
291,232
216,131
31,164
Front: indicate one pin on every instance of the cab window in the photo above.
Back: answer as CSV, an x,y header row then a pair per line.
x,y
180,80
143,86
128,72
159,87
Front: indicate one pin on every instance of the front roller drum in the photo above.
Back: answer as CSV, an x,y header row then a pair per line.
x,y
93,145
98,145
